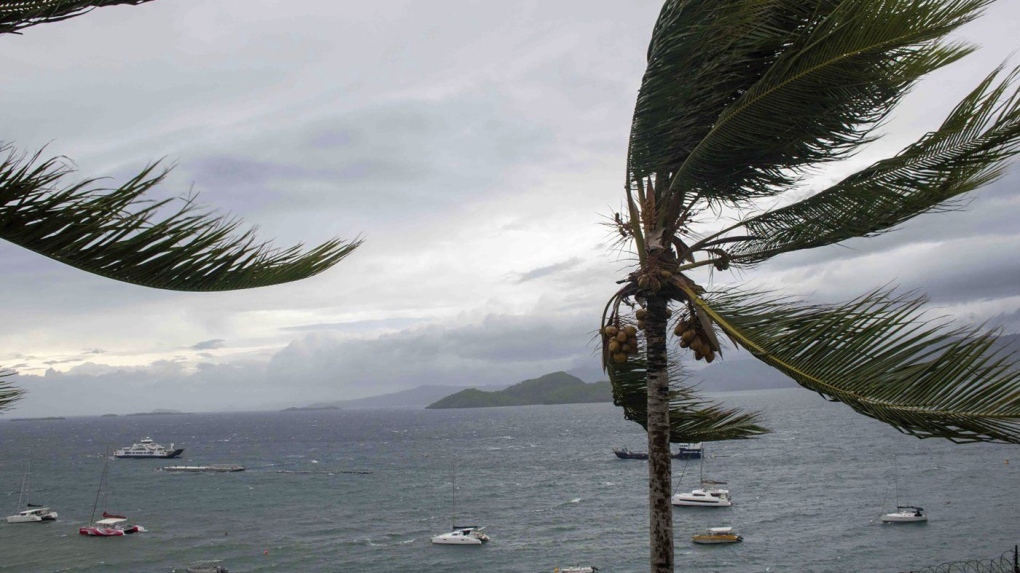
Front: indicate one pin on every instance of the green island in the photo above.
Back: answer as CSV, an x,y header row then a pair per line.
x,y
555,388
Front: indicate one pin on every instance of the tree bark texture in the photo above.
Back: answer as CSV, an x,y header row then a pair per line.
x,y
660,511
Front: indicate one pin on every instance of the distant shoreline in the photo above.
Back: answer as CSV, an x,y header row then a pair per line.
x,y
35,419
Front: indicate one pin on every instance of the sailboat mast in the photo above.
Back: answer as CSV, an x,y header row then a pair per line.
x,y
99,490
24,484
453,515
702,465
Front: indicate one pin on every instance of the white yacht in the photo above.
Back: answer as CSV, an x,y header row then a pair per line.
x,y
905,514
463,535
708,495
148,449
33,515
704,497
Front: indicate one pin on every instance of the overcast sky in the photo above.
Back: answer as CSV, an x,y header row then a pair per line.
x,y
476,146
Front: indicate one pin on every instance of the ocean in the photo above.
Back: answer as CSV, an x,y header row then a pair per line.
x,y
542,479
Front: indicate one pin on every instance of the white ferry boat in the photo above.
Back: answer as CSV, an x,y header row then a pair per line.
x,y
148,449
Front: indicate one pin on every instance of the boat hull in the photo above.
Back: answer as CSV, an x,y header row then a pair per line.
x,y
34,517
108,531
461,537
159,456
682,502
441,540
904,518
716,539
201,469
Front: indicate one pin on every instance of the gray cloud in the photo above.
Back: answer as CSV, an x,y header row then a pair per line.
x,y
210,344
548,270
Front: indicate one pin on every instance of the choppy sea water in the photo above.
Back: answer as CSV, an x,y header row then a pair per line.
x,y
542,479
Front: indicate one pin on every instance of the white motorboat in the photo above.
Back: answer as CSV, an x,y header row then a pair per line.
x,y
704,497
34,513
716,535
576,569
463,535
148,449
905,514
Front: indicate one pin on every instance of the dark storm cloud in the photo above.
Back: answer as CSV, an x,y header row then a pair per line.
x,y
499,349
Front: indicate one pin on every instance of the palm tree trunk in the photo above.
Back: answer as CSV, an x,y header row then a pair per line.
x,y
660,511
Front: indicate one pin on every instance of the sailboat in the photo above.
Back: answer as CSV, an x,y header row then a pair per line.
x,y
708,495
461,534
112,525
904,513
34,513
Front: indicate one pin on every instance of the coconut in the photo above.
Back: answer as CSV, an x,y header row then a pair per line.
x,y
630,330
621,336
611,331
619,358
698,355
688,335
641,313
614,346
710,356
696,344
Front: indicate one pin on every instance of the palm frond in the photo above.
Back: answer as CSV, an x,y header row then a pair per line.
x,y
835,69
691,419
697,66
117,233
18,14
969,150
879,355
8,393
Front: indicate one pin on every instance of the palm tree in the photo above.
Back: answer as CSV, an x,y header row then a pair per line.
x,y
117,232
739,100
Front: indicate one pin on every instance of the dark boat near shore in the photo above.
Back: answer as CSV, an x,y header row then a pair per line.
x,y
625,454
686,452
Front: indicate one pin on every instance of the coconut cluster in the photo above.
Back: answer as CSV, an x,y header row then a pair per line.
x,y
692,335
621,342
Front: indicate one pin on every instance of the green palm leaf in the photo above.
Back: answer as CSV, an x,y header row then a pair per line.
x,y
18,14
8,393
880,356
838,70
118,234
969,150
691,419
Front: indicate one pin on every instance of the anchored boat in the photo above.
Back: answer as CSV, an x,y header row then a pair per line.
x,y
717,535
148,449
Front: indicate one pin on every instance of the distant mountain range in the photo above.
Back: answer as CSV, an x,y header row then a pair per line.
x,y
555,388
418,397
721,376
737,372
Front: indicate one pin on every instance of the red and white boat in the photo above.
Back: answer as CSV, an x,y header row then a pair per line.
x,y
110,527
